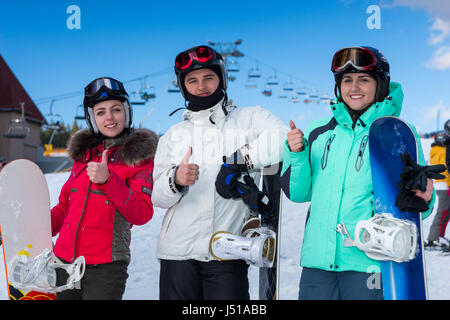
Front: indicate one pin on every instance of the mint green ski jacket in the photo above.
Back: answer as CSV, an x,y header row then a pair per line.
x,y
333,172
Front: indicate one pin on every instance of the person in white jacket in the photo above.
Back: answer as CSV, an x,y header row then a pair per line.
x,y
187,162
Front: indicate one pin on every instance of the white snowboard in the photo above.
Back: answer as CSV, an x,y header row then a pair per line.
x,y
24,218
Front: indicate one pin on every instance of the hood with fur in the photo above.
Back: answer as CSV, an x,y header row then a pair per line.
x,y
138,145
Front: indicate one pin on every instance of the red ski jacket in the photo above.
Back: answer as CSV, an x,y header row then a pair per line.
x,y
94,220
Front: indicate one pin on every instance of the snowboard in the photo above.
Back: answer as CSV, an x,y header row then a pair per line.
x,y
269,278
25,221
389,138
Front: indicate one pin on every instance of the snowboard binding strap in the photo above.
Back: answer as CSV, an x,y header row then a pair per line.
x,y
39,273
383,237
255,246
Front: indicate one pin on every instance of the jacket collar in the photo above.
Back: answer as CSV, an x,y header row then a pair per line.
x,y
209,116
391,106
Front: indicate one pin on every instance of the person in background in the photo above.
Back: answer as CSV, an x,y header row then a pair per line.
x,y
438,154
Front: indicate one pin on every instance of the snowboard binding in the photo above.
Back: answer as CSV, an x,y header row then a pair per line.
x,y
256,246
40,274
383,237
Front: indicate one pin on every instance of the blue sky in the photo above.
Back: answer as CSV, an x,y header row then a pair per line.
x,y
296,39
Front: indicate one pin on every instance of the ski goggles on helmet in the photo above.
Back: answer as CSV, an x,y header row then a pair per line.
x,y
108,84
201,54
359,58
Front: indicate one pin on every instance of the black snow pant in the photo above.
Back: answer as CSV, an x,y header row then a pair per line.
x,y
196,280
317,284
100,282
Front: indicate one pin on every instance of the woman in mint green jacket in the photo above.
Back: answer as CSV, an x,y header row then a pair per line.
x,y
329,165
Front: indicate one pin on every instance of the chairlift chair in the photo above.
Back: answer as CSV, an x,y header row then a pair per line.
x,y
251,84
314,96
173,87
325,98
302,91
231,77
295,99
272,81
139,103
288,86
233,66
267,91
18,128
254,73
282,94
54,119
80,113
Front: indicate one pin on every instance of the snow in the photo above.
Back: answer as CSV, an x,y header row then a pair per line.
x,y
143,281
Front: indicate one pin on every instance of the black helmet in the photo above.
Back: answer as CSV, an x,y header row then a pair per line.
x,y
199,57
447,126
362,59
103,89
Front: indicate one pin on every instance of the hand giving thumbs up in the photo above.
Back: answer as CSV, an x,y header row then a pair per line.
x,y
98,171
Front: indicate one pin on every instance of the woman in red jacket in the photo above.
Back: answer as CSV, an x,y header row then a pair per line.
x,y
108,191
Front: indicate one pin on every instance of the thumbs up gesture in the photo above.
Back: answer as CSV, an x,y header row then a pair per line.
x,y
187,173
295,138
98,171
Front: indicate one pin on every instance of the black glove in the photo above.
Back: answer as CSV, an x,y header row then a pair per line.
x,y
414,177
230,171
256,200
409,202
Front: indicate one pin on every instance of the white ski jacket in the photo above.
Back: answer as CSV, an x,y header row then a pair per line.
x,y
196,212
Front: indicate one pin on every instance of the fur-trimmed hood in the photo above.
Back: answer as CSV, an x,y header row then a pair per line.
x,y
134,147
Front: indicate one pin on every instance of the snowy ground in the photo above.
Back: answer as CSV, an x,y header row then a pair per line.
x,y
143,271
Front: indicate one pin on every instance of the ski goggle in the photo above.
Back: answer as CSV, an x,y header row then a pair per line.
x,y
202,54
95,86
358,57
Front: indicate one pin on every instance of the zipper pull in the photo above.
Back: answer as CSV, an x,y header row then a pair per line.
x,y
346,238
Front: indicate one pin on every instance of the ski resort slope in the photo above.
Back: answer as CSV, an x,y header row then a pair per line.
x,y
143,281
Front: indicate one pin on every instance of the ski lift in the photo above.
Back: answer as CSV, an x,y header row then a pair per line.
x,y
233,66
254,72
231,77
272,80
54,119
173,87
251,84
307,99
267,91
302,91
80,113
288,86
325,98
18,128
145,93
295,99
314,96
282,95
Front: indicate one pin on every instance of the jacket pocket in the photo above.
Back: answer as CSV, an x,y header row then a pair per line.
x,y
326,150
99,211
362,148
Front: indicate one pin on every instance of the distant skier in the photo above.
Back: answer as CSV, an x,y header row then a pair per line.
x,y
189,166
438,155
108,190
329,165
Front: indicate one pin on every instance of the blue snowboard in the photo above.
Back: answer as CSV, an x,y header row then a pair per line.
x,y
389,138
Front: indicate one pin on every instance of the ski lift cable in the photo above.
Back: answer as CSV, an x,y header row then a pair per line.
x,y
69,95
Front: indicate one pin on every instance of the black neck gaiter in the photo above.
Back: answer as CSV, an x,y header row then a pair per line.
x,y
197,103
